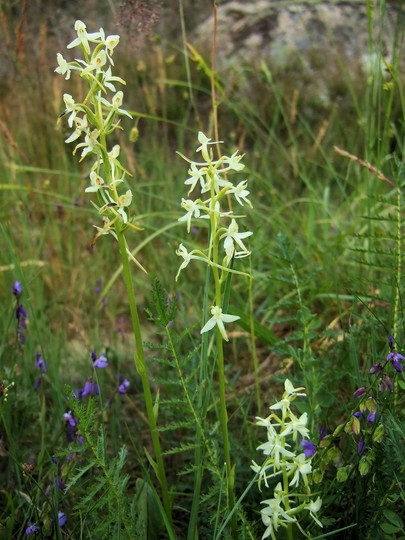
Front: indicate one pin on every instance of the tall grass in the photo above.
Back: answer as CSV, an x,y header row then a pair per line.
x,y
326,294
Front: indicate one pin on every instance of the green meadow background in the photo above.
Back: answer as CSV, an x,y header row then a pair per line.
x,y
326,261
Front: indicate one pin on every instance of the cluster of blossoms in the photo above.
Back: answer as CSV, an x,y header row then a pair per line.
x,y
282,460
225,243
20,312
33,528
91,387
96,118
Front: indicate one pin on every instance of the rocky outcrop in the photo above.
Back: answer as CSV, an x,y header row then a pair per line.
x,y
297,33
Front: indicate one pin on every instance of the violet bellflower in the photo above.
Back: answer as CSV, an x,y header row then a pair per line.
x,y
124,383
40,362
309,448
31,529
17,290
62,518
395,358
99,362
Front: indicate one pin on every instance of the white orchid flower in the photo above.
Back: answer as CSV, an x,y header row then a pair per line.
x,y
90,143
196,175
232,235
97,62
233,162
301,466
96,182
192,208
203,148
295,426
182,252
64,67
124,201
108,78
241,193
218,319
83,37
81,127
115,104
71,107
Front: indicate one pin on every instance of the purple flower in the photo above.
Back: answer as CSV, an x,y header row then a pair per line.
x,y
391,343
360,391
99,285
17,290
360,446
101,362
309,448
375,369
358,414
371,416
31,528
124,384
90,387
62,518
322,432
69,418
40,363
80,440
20,315
395,358
60,484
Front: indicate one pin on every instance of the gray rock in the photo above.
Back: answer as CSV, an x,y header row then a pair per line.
x,y
297,35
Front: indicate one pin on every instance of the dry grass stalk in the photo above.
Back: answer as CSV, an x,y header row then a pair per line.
x,y
365,164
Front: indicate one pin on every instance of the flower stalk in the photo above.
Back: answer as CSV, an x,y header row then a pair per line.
x,y
224,245
95,119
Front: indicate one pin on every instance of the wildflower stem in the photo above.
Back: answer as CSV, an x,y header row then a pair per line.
x,y
140,365
224,425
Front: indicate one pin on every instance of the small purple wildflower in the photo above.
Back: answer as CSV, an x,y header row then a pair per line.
x,y
17,290
40,363
395,358
358,414
31,529
322,432
309,448
55,460
376,368
99,285
371,416
360,391
62,518
391,343
194,230
360,446
100,362
80,440
20,315
69,418
124,384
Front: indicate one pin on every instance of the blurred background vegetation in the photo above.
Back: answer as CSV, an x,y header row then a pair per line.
x,y
307,199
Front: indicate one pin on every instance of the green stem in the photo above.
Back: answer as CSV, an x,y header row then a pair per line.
x,y
140,365
253,341
230,472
